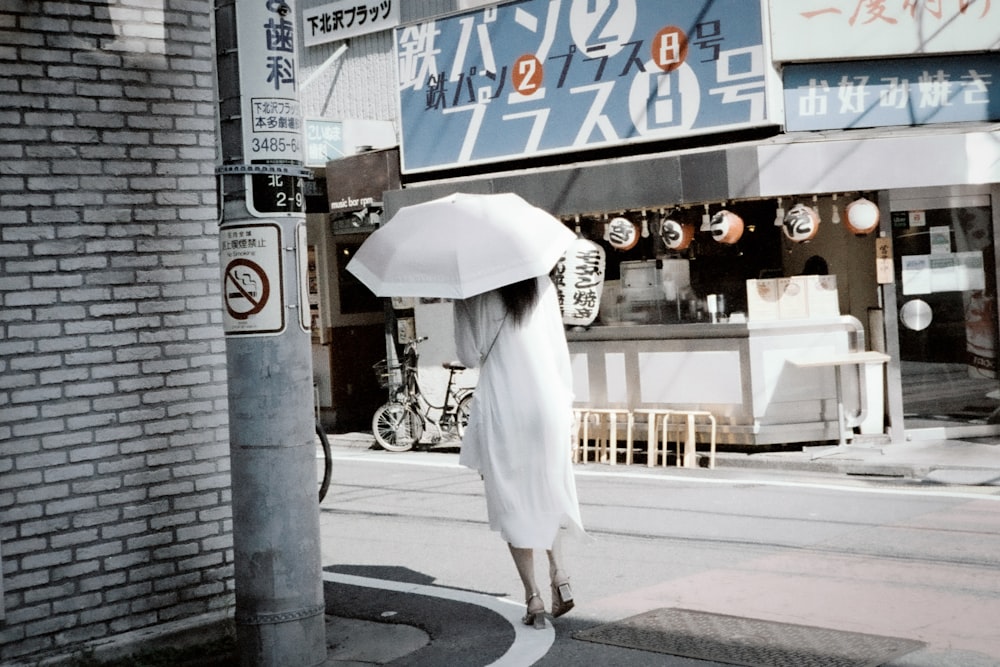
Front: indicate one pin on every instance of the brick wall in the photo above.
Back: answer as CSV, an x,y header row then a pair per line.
x,y
114,469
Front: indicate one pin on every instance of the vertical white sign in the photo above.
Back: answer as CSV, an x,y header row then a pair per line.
x,y
272,117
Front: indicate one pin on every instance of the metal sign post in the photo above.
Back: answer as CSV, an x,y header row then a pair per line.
x,y
278,569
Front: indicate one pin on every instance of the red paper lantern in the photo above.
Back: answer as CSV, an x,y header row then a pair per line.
x,y
801,223
676,235
623,234
726,227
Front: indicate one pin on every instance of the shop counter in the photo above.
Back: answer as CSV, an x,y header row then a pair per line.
x,y
750,375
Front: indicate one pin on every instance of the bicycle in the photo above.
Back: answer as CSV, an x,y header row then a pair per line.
x,y
401,423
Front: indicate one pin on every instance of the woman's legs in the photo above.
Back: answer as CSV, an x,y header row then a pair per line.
x,y
555,560
562,594
524,561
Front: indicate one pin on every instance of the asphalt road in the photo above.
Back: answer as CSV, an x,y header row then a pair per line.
x,y
886,557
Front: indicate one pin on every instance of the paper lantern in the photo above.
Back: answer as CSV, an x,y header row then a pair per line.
x,y
623,234
579,279
862,216
676,235
801,223
726,227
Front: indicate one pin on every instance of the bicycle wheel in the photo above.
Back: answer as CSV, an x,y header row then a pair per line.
x,y
397,427
462,413
323,453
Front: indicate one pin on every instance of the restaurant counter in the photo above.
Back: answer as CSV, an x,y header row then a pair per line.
x,y
750,375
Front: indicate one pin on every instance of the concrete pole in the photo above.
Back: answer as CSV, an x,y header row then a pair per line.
x,y
279,591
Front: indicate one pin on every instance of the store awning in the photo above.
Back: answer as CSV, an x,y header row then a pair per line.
x,y
788,164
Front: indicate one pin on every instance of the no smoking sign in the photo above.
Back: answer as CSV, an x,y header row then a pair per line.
x,y
252,290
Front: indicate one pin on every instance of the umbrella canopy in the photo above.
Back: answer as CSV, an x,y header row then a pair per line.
x,y
459,246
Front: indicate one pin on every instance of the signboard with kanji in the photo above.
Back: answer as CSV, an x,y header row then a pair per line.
x,y
348,18
272,118
892,91
252,289
535,77
832,29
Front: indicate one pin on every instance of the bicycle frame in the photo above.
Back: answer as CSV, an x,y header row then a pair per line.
x,y
413,396
404,391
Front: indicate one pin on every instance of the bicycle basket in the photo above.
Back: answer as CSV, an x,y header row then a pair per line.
x,y
388,376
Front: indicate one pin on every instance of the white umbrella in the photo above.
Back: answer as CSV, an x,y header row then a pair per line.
x,y
459,246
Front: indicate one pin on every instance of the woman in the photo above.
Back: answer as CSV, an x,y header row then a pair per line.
x,y
518,436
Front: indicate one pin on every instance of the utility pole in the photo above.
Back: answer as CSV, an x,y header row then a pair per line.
x,y
279,591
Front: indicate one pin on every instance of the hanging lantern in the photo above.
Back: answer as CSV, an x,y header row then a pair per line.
x,y
622,234
579,279
726,227
801,223
676,235
862,216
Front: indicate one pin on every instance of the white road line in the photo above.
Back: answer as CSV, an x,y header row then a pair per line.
x,y
530,645
987,493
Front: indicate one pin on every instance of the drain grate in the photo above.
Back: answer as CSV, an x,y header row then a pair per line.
x,y
746,641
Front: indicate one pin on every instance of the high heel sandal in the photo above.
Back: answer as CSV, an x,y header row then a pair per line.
x,y
562,598
536,616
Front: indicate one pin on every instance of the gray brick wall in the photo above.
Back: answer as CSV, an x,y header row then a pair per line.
x,y
114,469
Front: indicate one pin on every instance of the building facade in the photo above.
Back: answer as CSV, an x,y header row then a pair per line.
x,y
114,464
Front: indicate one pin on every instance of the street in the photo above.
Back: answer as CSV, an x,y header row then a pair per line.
x,y
884,557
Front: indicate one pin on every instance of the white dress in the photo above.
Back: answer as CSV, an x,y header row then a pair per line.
x,y
521,418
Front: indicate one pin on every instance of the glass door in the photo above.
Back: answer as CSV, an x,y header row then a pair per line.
x,y
946,297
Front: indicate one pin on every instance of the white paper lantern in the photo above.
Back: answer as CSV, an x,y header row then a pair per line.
x,y
862,216
801,223
579,278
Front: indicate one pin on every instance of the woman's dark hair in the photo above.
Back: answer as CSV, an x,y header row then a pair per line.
x,y
519,298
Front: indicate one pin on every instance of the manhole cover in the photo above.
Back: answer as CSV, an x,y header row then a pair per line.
x,y
747,641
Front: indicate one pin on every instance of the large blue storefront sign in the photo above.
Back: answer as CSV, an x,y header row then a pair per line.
x,y
538,77
899,91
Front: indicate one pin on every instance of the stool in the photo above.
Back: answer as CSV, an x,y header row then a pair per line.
x,y
607,447
652,435
690,436
581,444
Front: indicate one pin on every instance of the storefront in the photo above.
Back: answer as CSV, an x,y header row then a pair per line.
x,y
895,160
944,393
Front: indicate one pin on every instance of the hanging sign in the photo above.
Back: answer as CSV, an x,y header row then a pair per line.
x,y
885,273
579,279
252,289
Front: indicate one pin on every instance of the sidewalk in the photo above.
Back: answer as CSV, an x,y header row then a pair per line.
x,y
947,462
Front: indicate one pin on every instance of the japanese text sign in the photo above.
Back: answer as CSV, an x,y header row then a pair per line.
x,y
551,76
348,18
899,91
272,119
829,29
324,141
252,289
